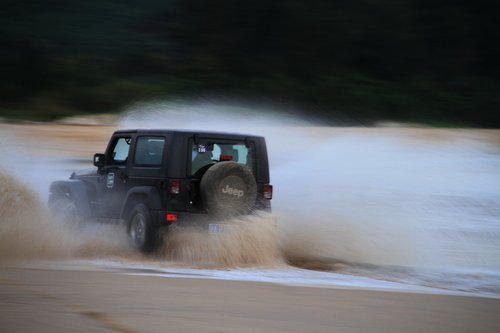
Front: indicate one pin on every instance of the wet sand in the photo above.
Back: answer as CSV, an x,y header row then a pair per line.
x,y
40,300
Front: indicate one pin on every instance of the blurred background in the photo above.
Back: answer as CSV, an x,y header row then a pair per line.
x,y
347,62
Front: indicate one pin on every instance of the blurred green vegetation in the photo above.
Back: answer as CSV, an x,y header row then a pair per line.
x,y
409,60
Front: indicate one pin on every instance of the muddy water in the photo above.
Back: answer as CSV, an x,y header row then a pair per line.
x,y
390,199
25,229
413,204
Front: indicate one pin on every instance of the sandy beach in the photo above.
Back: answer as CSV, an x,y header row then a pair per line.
x,y
51,299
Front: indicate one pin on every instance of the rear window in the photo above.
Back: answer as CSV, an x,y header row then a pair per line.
x,y
206,154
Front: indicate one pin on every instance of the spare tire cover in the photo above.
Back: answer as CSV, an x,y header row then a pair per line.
x,y
228,189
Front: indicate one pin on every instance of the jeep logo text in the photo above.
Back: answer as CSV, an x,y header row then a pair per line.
x,y
233,191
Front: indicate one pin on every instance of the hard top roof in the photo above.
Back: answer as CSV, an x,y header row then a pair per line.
x,y
186,133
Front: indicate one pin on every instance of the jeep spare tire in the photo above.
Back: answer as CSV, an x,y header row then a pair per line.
x,y
228,189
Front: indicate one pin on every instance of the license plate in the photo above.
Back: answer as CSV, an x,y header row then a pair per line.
x,y
215,228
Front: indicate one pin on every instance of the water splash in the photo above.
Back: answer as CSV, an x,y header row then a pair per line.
x,y
402,196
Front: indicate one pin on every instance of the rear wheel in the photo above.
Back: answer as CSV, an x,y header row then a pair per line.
x,y
141,231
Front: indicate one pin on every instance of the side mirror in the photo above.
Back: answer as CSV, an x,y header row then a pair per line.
x,y
99,160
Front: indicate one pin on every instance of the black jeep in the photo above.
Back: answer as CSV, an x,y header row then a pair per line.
x,y
154,179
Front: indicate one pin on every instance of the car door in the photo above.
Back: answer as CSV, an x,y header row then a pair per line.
x,y
114,178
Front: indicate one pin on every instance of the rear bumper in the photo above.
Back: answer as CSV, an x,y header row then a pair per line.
x,y
183,218
188,218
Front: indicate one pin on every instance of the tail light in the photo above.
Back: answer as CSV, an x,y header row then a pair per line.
x,y
171,217
175,186
268,192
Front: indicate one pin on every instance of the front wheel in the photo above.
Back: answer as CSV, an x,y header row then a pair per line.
x,y
141,230
65,209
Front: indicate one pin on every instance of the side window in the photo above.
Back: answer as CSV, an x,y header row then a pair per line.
x,y
149,150
120,151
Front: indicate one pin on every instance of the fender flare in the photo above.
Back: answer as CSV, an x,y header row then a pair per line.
x,y
149,195
76,190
